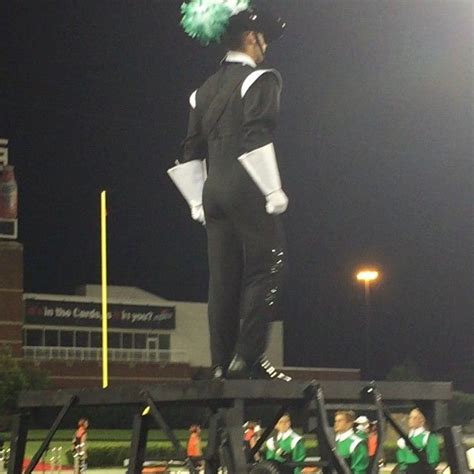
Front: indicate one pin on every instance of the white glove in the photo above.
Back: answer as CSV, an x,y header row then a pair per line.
x,y
262,167
277,202
197,213
189,178
401,443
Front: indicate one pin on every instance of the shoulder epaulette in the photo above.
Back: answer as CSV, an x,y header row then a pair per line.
x,y
192,99
295,438
355,442
254,75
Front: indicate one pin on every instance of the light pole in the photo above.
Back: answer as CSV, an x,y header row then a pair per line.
x,y
367,276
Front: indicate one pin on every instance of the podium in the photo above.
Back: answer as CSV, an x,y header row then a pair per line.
x,y
227,401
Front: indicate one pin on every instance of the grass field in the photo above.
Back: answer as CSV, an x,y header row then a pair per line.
x,y
96,437
63,439
107,435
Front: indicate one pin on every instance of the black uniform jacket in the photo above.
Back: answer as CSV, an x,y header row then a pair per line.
x,y
235,111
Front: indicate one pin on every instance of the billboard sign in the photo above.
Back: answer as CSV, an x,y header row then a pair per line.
x,y
72,313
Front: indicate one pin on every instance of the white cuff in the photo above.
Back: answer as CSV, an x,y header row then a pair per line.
x,y
262,167
189,178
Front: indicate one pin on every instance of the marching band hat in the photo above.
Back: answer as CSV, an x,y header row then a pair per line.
x,y
213,20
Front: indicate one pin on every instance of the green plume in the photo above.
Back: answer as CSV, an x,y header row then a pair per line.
x,y
206,20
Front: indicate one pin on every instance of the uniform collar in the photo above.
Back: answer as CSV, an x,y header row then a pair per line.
x,y
284,435
417,431
345,435
239,57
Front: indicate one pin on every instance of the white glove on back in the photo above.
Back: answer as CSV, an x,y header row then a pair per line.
x,y
262,167
277,202
189,178
197,213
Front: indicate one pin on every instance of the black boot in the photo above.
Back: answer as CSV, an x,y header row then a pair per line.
x,y
238,368
263,369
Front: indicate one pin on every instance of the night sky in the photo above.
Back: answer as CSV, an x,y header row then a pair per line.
x,y
375,148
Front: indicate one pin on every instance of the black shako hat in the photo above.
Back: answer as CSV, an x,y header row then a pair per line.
x,y
212,20
258,17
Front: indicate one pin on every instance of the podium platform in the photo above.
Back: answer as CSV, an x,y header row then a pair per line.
x,y
227,401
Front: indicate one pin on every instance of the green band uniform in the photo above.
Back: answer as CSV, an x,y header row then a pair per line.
x,y
354,451
422,439
288,446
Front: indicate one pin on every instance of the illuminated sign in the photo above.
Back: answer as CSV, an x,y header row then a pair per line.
x,y
72,313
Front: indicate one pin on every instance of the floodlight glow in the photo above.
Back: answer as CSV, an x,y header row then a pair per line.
x,y
368,275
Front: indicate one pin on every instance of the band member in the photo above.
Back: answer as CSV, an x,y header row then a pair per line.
x,y
349,445
194,446
286,446
232,120
79,446
421,438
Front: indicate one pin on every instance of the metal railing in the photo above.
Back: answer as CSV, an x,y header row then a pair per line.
x,y
92,353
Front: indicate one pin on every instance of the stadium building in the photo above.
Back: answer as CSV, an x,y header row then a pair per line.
x,y
150,338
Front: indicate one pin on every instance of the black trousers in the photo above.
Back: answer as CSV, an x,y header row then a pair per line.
x,y
246,258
